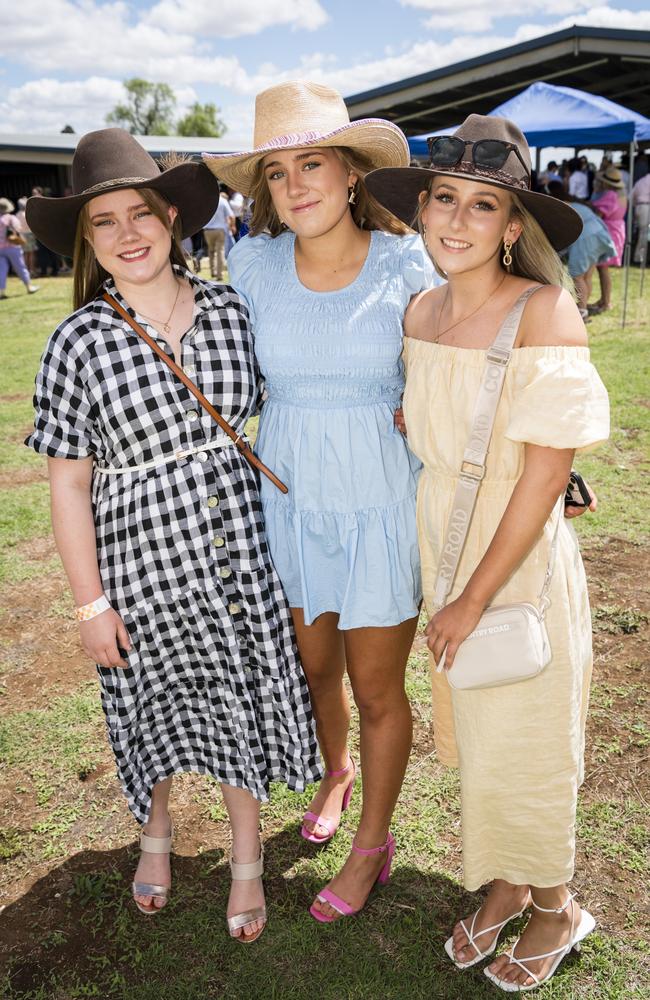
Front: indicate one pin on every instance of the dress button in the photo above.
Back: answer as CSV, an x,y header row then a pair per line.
x,y
218,542
224,573
201,456
192,415
213,502
234,608
190,370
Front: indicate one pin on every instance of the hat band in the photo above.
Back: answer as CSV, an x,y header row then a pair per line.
x,y
469,167
117,181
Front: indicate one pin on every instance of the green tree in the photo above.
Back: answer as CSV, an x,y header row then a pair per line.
x,y
201,119
148,109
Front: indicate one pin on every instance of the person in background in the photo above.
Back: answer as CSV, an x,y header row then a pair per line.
x,y
641,207
593,246
216,231
552,173
579,179
237,203
11,249
29,248
610,201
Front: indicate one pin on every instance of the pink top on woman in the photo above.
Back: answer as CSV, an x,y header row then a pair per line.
x,y
612,209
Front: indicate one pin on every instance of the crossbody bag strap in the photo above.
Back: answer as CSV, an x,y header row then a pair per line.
x,y
472,467
236,438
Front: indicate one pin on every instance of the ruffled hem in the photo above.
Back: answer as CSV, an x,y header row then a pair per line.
x,y
364,566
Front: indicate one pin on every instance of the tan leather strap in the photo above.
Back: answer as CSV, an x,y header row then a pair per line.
x,y
236,438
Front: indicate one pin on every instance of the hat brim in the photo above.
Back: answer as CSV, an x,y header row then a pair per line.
x,y
398,190
383,143
191,188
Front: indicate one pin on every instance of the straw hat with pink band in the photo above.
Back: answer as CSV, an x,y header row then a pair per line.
x,y
298,113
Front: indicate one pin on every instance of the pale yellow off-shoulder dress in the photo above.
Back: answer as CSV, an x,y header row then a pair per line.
x,y
519,747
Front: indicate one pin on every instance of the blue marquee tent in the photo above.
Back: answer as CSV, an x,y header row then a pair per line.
x,y
561,116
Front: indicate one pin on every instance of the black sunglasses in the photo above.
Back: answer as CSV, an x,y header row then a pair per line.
x,y
490,154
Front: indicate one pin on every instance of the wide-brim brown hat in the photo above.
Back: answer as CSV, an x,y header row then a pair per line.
x,y
112,159
300,113
399,190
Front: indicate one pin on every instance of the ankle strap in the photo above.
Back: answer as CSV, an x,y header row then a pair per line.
x,y
343,770
559,909
367,852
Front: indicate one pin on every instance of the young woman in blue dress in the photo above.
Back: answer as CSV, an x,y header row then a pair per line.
x,y
327,275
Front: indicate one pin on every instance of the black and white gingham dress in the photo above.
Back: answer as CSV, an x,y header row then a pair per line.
x,y
214,684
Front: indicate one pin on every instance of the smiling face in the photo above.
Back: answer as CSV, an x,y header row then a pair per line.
x,y
128,238
466,223
309,189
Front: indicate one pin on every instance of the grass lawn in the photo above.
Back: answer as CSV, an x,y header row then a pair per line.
x,y
67,842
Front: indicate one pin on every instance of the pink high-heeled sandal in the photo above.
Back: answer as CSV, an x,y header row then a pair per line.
x,y
330,825
338,904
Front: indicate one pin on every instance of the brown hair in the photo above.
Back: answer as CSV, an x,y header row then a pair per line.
x,y
367,213
89,275
533,257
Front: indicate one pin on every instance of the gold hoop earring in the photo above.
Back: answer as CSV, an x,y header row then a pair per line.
x,y
352,195
507,259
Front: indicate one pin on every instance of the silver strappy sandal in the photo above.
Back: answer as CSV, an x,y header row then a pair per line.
x,y
246,873
153,845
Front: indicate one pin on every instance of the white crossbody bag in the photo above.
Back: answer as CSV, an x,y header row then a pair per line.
x,y
510,642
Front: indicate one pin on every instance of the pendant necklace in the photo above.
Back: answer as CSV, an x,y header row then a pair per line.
x,y
165,325
440,333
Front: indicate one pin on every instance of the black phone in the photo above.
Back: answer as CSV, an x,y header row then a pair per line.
x,y
577,494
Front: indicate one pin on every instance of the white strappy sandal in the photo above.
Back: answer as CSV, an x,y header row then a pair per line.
x,y
471,938
586,926
245,873
153,845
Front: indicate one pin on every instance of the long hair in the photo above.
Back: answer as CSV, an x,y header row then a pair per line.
x,y
89,275
533,257
366,211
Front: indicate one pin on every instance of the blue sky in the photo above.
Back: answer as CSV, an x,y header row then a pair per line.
x,y
64,60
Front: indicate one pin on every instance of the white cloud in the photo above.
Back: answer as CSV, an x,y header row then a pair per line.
x,y
473,16
233,18
46,105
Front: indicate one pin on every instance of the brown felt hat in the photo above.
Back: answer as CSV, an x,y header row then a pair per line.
x,y
299,113
109,160
399,189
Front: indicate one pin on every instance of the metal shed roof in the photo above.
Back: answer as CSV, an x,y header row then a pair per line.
x,y
609,62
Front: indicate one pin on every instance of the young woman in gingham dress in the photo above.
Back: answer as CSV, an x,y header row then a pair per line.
x,y
157,516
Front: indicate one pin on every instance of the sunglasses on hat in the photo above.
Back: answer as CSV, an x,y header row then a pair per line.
x,y
489,154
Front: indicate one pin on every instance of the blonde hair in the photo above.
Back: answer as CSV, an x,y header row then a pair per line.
x,y
367,213
89,275
533,257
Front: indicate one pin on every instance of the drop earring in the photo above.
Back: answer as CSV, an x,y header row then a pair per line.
x,y
352,195
507,258
424,236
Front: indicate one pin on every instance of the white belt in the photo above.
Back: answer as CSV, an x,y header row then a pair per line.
x,y
219,442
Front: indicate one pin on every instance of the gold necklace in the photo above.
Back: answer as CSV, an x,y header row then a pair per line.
x,y
166,327
469,315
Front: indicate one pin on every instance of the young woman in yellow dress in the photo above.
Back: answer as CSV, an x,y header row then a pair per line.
x,y
519,746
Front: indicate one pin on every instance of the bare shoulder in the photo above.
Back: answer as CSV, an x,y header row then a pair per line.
x,y
551,319
420,313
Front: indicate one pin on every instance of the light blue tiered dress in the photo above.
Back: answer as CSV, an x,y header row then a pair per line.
x,y
344,538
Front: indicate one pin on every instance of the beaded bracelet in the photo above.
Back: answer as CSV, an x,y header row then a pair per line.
x,y
90,611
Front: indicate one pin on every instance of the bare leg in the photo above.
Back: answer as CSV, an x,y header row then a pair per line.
x,y
605,287
544,932
323,658
581,290
376,664
244,814
156,868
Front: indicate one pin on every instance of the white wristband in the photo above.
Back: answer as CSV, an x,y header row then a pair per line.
x,y
90,611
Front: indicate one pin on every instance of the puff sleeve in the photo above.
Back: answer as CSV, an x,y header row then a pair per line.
x,y
559,401
245,262
64,426
417,270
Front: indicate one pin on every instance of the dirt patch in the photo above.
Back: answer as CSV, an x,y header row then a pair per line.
x,y
22,477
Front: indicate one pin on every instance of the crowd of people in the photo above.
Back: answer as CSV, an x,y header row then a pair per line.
x,y
223,612
600,196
